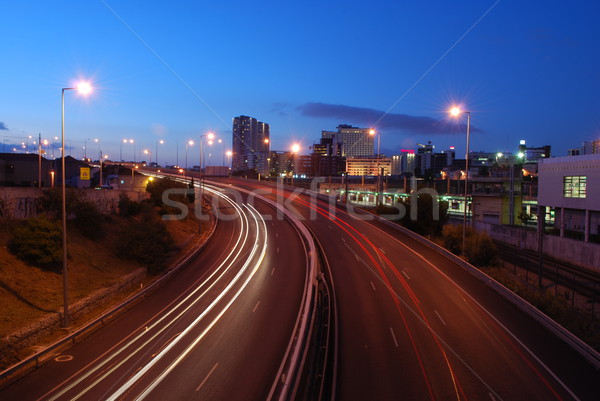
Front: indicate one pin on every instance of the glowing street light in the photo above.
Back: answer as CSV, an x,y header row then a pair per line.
x,y
161,142
456,112
83,88
372,132
229,153
187,144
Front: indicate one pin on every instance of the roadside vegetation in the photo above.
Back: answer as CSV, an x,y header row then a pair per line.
x,y
101,251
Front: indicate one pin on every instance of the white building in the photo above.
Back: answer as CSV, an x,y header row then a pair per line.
x,y
571,185
354,141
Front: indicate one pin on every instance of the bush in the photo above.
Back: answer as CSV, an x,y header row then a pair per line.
x,y
38,242
425,223
88,220
452,236
127,207
156,188
479,248
147,242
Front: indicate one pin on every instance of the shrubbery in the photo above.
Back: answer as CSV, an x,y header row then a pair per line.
x,y
38,241
146,241
128,207
426,222
452,236
479,248
156,188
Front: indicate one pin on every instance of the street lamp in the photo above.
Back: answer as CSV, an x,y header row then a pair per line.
x,y
149,153
156,152
229,153
188,143
372,132
455,112
210,137
83,88
295,150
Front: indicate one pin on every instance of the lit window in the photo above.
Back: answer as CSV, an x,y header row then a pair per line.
x,y
574,186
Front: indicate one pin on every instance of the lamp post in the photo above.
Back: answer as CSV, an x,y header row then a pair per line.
x,y
188,143
210,137
156,152
229,153
455,112
83,88
102,158
373,132
295,150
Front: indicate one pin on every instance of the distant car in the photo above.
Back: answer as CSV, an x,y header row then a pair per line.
x,y
103,187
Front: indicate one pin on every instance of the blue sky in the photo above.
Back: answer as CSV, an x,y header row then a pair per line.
x,y
177,70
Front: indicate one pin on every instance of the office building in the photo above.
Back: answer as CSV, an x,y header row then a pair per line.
x,y
251,145
352,141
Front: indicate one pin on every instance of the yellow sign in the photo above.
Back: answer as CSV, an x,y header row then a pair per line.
x,y
84,173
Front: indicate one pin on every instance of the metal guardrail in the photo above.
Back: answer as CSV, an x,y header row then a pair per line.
x,y
585,350
589,353
34,361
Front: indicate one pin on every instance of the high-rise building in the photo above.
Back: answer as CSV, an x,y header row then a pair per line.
x,y
590,147
353,141
251,143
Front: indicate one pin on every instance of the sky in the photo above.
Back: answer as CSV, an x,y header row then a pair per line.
x,y
174,71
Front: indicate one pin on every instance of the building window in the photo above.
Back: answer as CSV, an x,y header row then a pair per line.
x,y
574,186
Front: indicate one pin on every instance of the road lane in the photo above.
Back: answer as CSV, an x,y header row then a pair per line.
x,y
203,314
457,338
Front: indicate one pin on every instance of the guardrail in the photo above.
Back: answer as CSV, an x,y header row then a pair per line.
x,y
34,361
589,353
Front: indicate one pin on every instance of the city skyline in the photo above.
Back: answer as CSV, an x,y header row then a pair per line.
x,y
524,72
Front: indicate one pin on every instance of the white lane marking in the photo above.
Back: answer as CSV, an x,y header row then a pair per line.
x,y
277,249
328,225
493,317
394,337
207,376
342,238
277,235
158,379
492,396
373,285
272,271
381,249
357,258
224,264
440,317
254,310
406,275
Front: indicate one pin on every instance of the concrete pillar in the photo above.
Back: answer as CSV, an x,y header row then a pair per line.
x,y
587,226
562,222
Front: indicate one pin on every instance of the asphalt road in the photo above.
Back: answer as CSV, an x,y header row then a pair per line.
x,y
415,326
218,330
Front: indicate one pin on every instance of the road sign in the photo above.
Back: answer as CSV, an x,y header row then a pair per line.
x,y
84,173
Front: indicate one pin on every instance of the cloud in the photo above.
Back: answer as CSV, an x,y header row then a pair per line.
x,y
376,118
3,127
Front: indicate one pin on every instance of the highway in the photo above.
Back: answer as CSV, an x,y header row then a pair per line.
x,y
218,329
415,326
